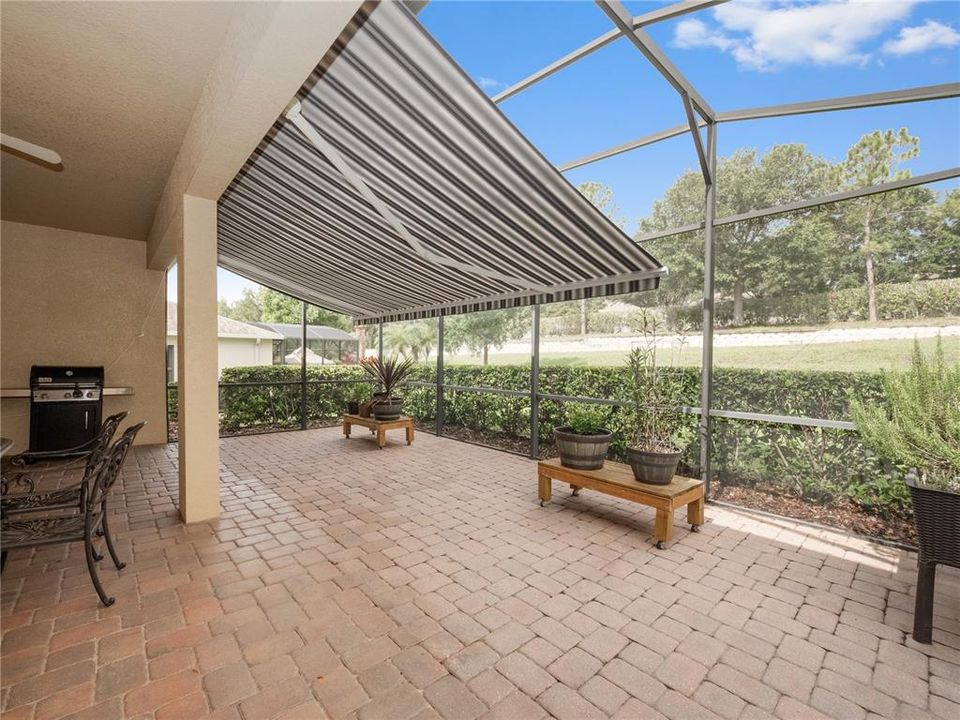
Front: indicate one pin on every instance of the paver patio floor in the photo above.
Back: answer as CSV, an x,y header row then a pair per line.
x,y
426,581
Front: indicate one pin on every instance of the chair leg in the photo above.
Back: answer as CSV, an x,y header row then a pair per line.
x,y
923,610
92,567
3,560
105,530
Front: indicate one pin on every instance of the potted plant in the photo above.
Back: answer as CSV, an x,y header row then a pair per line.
x,y
916,427
356,394
583,442
390,373
661,431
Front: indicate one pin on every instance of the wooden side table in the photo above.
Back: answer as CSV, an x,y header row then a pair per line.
x,y
379,427
617,479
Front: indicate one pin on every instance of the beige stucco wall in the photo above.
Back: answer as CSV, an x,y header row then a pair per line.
x,y
234,352
74,298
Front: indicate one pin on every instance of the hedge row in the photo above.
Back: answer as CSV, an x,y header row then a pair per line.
x,y
814,463
895,301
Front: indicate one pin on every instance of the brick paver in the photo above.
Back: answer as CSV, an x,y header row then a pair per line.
x,y
426,581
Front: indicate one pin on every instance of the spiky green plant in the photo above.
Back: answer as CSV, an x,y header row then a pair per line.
x,y
390,373
918,422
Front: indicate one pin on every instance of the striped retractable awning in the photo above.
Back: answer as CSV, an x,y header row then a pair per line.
x,y
401,192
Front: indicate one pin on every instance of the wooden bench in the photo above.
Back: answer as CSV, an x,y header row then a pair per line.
x,y
617,479
379,427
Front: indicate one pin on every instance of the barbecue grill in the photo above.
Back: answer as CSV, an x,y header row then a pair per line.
x,y
66,404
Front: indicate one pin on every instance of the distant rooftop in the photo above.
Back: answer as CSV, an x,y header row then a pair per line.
x,y
314,332
226,327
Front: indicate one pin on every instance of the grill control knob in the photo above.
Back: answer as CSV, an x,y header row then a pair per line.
x,y
43,396
78,393
68,395
89,393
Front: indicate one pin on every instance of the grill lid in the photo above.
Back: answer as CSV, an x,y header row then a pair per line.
x,y
70,375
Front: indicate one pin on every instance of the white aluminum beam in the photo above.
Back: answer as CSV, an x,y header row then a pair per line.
x,y
813,202
627,147
895,97
654,16
641,39
416,6
853,102
698,141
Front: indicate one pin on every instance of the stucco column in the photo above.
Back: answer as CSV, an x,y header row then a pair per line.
x,y
199,446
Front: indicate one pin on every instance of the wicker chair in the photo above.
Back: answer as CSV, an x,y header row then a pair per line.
x,y
87,456
82,526
937,515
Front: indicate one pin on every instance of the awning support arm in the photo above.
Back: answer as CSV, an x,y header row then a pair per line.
x,y
294,115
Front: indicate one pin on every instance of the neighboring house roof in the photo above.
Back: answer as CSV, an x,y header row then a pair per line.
x,y
226,327
314,332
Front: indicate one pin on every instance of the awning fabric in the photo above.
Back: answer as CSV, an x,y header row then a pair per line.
x,y
464,183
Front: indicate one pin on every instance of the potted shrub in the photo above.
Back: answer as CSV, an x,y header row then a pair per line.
x,y
583,442
916,427
356,394
661,431
391,374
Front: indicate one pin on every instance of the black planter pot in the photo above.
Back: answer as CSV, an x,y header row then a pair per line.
x,y
582,452
387,408
653,468
936,514
353,407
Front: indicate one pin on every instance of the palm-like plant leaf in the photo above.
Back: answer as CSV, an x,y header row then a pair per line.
x,y
392,372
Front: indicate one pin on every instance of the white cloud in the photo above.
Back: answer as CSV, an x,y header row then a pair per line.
x,y
487,82
921,38
768,34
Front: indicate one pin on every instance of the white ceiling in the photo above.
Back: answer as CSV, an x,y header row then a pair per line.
x,y
111,86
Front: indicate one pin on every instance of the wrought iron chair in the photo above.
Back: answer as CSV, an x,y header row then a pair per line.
x,y
91,520
87,456
937,516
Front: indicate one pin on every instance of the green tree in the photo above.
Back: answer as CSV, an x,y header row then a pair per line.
x,y
480,331
745,250
246,308
414,340
944,253
601,197
874,159
271,306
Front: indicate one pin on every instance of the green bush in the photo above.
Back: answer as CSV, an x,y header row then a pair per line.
x,y
814,463
917,424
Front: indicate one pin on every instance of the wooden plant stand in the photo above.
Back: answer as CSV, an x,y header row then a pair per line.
x,y
617,479
379,427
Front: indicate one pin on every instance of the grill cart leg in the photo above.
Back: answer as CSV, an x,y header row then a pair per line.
x,y
923,610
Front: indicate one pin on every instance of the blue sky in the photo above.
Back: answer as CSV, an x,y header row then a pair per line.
x,y
740,54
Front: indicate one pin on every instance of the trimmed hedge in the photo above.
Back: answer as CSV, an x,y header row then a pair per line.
x,y
895,301
814,463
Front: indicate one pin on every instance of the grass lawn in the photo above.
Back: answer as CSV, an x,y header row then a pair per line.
x,y
851,356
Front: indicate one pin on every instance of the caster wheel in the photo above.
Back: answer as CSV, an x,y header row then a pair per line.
x,y
661,545
694,528
542,503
